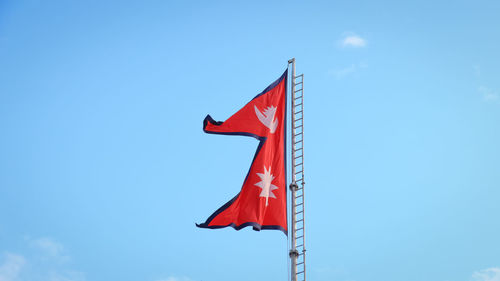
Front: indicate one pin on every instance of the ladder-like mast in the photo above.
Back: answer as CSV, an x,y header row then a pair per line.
x,y
297,228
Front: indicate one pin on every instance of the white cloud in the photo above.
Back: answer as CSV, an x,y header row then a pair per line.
x,y
488,94
47,261
353,41
11,267
490,274
49,249
48,246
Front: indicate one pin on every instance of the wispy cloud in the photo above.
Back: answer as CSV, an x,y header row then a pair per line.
x,y
50,248
47,258
11,267
343,72
354,41
490,274
488,94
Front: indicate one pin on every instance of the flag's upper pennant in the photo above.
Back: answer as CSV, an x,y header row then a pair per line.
x,y
261,202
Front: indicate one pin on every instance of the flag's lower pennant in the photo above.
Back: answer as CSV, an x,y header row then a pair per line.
x,y
261,202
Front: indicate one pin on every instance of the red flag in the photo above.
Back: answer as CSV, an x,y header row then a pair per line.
x,y
261,202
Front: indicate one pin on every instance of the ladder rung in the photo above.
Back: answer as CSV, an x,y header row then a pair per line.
x,y
299,83
300,262
299,212
300,220
300,75
297,157
298,112
300,272
300,228
298,196
298,119
298,237
299,204
298,142
299,172
299,126
297,165
299,90
298,149
298,104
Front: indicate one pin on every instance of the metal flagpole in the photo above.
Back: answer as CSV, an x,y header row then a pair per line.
x,y
296,231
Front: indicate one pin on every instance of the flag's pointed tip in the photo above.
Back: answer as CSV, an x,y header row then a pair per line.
x,y
209,119
206,120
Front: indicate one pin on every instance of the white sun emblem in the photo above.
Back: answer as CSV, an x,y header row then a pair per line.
x,y
266,184
267,117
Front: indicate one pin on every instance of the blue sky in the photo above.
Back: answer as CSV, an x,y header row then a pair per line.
x,y
104,168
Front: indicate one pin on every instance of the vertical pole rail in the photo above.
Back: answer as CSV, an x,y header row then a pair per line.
x,y
293,249
297,247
